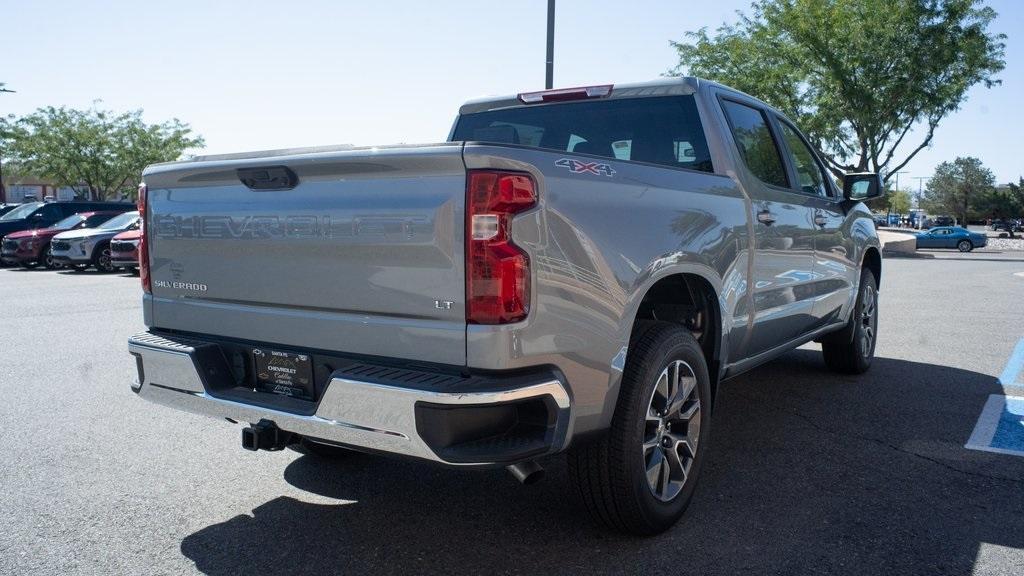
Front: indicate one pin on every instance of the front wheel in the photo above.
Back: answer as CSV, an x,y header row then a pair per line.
x,y
49,261
965,246
640,476
103,262
852,349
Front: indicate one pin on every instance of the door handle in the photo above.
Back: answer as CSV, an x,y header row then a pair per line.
x,y
820,220
766,217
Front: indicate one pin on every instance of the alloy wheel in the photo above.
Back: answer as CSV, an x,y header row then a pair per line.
x,y
671,430
868,320
103,262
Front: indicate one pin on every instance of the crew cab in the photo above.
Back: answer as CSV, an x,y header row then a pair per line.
x,y
575,271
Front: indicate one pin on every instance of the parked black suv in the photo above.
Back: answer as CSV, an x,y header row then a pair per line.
x,y
32,215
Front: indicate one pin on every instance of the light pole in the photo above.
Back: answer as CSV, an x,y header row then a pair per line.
x,y
549,64
3,190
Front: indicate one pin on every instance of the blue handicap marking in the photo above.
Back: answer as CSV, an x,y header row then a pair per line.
x,y
1000,427
1014,366
1009,433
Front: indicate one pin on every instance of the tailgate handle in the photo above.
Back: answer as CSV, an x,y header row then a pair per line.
x,y
268,178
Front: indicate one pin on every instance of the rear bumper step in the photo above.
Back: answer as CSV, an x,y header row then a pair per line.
x,y
475,420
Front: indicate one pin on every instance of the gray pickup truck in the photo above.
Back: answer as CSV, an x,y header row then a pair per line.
x,y
573,271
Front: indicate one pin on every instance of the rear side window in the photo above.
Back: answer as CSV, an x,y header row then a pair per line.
x,y
660,130
51,213
754,139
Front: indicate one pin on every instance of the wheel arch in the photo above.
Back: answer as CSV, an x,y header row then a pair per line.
x,y
98,249
873,261
691,300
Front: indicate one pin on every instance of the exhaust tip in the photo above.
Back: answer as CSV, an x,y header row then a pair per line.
x,y
526,473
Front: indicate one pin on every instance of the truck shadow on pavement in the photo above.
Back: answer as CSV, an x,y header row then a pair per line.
x,y
808,472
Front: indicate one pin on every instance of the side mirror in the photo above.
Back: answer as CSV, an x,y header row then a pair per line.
x,y
862,186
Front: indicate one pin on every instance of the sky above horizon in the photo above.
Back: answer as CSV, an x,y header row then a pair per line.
x,y
259,74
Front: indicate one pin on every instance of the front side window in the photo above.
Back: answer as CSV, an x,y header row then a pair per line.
x,y
662,130
808,172
755,142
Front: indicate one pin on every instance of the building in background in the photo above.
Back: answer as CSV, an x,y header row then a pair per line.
x,y
28,189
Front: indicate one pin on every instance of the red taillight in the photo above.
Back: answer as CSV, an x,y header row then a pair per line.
x,y
563,94
144,239
497,271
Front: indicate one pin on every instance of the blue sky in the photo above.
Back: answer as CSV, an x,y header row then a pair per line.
x,y
254,75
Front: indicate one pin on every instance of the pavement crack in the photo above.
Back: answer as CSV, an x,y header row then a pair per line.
x,y
896,448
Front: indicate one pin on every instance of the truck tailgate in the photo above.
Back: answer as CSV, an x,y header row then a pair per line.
x,y
364,255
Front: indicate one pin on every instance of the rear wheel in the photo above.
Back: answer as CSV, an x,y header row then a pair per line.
x,y
964,246
640,477
852,349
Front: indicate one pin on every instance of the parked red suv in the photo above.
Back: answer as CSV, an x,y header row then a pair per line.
x,y
30,248
124,250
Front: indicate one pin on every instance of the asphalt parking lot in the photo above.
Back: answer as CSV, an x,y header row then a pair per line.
x,y
808,472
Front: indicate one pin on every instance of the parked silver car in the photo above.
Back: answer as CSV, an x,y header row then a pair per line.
x,y
86,247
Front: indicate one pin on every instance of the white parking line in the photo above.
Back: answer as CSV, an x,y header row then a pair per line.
x,y
992,415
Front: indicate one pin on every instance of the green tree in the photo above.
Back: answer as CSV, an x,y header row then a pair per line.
x,y
101,150
900,202
1000,202
857,75
957,187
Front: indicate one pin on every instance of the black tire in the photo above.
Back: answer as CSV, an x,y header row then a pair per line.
x,y
324,450
611,473
851,350
48,259
964,246
102,260
29,265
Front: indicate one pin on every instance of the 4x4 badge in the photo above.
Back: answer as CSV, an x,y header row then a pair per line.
x,y
578,167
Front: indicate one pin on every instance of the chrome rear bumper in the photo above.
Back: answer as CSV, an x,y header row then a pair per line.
x,y
351,411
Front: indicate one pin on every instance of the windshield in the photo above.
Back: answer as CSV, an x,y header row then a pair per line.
x,y
119,222
69,222
21,211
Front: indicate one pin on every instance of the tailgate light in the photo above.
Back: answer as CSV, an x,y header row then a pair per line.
x,y
144,240
497,271
563,94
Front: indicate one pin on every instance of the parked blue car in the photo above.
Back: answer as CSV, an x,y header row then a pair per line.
x,y
951,237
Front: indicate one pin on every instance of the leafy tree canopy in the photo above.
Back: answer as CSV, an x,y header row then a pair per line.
x,y
958,187
856,75
102,150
